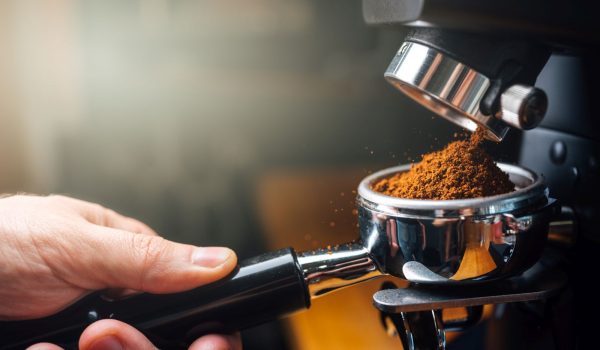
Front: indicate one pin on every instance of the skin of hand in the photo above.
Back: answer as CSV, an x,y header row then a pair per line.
x,y
56,249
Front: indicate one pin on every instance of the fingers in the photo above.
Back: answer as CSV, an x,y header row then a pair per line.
x,y
97,214
44,346
117,257
153,264
113,335
116,335
118,221
218,342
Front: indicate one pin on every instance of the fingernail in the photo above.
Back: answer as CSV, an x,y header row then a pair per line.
x,y
107,343
210,256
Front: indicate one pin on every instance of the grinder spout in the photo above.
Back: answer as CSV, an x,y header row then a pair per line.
x,y
489,87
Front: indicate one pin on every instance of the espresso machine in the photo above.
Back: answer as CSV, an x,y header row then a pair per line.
x,y
502,66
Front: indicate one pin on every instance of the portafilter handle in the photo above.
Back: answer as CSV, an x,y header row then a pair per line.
x,y
261,289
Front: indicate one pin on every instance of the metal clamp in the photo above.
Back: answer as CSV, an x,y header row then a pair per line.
x,y
415,311
527,287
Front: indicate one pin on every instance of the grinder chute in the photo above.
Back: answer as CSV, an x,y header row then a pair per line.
x,y
472,80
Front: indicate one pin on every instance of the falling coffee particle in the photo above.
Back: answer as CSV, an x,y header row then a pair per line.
x,y
461,170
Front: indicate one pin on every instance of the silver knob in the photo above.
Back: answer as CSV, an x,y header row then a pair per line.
x,y
523,106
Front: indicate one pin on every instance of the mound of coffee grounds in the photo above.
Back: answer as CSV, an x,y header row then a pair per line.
x,y
461,170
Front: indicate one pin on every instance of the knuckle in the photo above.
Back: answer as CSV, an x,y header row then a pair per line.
x,y
58,198
98,209
139,227
149,249
96,213
65,201
105,216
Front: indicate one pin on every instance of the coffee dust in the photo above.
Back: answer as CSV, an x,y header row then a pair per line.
x,y
461,170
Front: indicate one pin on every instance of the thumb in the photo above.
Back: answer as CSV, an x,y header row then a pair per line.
x,y
123,259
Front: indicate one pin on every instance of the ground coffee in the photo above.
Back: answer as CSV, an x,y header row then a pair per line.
x,y
461,170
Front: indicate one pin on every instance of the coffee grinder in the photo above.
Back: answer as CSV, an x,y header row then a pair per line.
x,y
510,66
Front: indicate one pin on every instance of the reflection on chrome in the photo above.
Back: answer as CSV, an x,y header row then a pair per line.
x,y
329,269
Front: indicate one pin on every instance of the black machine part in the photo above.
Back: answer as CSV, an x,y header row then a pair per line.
x,y
566,26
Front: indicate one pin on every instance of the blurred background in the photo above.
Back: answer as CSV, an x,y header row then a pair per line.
x,y
244,123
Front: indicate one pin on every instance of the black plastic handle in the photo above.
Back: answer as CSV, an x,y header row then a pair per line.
x,y
261,289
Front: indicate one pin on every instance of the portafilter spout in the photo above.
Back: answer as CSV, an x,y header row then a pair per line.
x,y
425,241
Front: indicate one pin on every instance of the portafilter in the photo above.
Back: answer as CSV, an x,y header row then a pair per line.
x,y
424,241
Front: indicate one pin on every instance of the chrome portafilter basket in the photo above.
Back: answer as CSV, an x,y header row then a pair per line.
x,y
438,241
450,241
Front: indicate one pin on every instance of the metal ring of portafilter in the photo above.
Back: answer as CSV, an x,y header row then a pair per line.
x,y
438,241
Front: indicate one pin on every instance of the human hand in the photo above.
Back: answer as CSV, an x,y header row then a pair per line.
x,y
56,249
116,335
